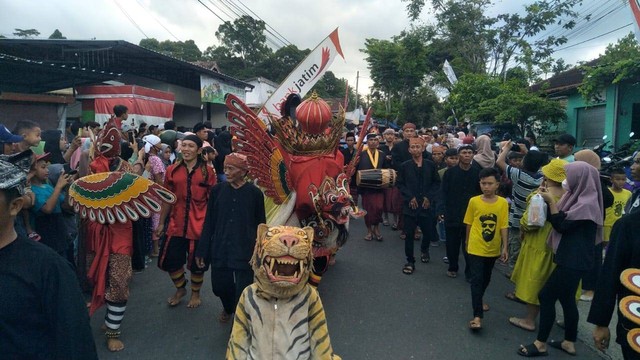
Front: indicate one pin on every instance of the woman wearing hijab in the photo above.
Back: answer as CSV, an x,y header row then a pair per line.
x,y
591,277
576,219
484,156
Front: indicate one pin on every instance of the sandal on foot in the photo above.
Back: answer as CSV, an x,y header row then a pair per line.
x,y
368,237
394,227
558,345
485,307
531,351
518,323
475,325
379,238
452,274
425,258
385,223
512,296
408,268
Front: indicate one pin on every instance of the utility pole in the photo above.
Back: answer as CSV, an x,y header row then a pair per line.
x,y
357,77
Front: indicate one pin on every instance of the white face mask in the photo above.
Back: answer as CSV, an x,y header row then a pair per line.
x,y
565,185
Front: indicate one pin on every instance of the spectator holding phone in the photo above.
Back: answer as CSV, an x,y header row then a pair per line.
x,y
47,209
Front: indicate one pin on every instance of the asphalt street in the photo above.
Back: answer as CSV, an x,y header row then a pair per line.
x,y
374,311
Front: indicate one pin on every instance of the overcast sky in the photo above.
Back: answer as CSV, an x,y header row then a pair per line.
x,y
303,23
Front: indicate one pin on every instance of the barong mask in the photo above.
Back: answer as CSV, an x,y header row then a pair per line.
x,y
108,140
282,259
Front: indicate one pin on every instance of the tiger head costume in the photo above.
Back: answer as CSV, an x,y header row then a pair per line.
x,y
282,259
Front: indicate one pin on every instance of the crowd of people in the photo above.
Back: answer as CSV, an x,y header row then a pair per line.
x,y
474,193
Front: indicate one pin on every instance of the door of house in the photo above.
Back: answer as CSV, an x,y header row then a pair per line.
x,y
635,121
590,126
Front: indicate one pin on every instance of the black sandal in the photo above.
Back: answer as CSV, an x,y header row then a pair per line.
x,y
408,268
425,258
531,351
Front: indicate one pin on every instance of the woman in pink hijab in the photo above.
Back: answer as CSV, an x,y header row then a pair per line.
x,y
576,219
485,157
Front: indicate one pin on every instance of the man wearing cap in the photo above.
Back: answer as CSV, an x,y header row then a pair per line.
x,y
7,139
419,184
43,314
563,146
372,199
191,180
234,211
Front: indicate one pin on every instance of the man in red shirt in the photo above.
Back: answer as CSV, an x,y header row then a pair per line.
x,y
191,180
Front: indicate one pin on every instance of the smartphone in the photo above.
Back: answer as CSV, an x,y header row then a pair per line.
x,y
72,172
130,134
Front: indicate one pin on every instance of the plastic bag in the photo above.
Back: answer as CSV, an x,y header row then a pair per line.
x,y
537,211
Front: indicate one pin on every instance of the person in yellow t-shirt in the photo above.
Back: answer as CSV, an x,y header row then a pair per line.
x,y
620,198
487,220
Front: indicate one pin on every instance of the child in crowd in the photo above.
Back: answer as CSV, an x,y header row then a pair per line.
x,y
47,209
620,198
486,239
30,132
450,159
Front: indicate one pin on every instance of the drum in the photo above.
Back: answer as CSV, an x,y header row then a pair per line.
x,y
376,178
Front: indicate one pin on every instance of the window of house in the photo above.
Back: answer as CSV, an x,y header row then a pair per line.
x,y
590,126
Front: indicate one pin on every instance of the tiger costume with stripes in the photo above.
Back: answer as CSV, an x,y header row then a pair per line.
x,y
280,316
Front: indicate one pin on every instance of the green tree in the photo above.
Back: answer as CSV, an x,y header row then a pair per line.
x,y
279,64
475,42
245,40
56,35
620,62
486,98
398,68
187,50
26,33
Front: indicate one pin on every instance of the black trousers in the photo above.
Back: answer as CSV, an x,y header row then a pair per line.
x,y
228,284
590,278
480,270
561,286
427,224
455,242
177,251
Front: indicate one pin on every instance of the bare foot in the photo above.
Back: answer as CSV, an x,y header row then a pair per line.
x,y
115,345
522,324
177,298
194,302
224,317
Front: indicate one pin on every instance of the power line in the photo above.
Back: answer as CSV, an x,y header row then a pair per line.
x,y
256,15
130,18
211,11
593,38
221,10
239,12
156,19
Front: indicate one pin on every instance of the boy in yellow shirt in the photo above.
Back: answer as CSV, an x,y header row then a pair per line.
x,y
620,198
487,220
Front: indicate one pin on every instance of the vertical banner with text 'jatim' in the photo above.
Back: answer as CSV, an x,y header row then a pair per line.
x,y
305,75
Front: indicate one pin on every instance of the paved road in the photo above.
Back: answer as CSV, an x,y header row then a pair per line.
x,y
374,312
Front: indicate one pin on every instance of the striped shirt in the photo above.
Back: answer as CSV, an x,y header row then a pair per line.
x,y
523,185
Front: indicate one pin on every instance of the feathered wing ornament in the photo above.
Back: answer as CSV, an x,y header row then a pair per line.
x,y
630,305
117,196
267,160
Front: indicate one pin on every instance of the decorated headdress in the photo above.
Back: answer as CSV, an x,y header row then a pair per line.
x,y
108,140
314,131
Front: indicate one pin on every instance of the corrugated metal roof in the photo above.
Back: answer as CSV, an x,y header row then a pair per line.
x,y
112,56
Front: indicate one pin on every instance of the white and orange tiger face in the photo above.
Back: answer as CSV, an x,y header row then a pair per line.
x,y
282,259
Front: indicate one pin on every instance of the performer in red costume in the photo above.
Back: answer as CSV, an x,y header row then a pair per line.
x,y
109,246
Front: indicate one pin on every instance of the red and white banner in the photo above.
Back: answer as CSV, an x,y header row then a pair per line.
x,y
151,106
635,11
305,75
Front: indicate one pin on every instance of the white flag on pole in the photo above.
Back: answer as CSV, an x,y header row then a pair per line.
x,y
305,75
448,70
635,12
